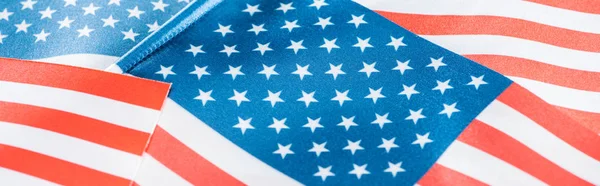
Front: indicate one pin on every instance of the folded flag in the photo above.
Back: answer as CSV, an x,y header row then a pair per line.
x,y
62,125
330,93
549,47
86,33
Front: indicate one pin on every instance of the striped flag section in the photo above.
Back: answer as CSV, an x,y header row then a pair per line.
x,y
549,47
62,125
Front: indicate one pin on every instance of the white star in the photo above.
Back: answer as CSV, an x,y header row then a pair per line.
x,y
229,50
396,42
302,71
65,23
195,49
47,13
335,70
381,120
443,86
22,27
283,150
477,81
130,35
159,5
290,25
415,115
449,109
329,44
28,4
347,123
85,31
318,4
2,37
353,146
341,97
244,125
308,98
368,68
109,21
153,27
285,7
422,140
205,97
408,91
324,22
71,2
363,44
268,71
394,168
296,46
200,71
41,36
224,30
251,9
239,97
90,9
273,98
115,2
278,125
436,63
235,71
257,29
5,13
324,172
262,48
388,144
166,71
357,20
135,12
313,124
375,94
402,66
318,148
359,170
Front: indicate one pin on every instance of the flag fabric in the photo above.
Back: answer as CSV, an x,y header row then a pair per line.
x,y
319,92
549,47
86,33
62,125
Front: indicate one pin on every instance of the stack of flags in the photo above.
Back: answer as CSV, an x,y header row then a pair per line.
x,y
299,92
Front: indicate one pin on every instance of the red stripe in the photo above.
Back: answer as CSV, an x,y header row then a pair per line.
x,y
589,120
54,170
513,66
552,120
440,175
494,25
509,150
588,6
185,162
137,91
77,126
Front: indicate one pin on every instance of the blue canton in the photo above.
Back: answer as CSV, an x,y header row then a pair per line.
x,y
327,92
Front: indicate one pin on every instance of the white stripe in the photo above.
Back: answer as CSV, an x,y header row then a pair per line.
x,y
484,167
547,15
153,173
217,149
9,177
69,149
562,96
93,61
518,126
517,47
108,110
114,68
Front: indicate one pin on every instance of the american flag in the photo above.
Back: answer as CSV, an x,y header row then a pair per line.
x,y
62,125
318,92
549,47
86,33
